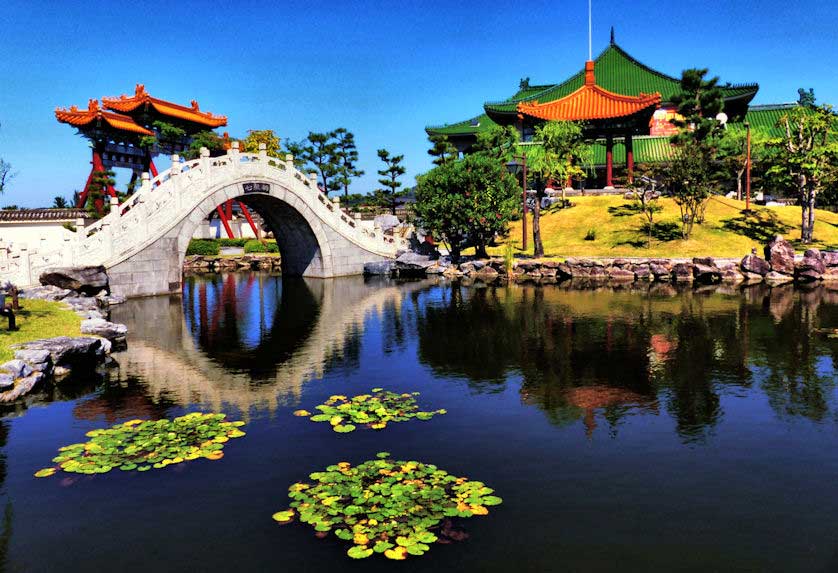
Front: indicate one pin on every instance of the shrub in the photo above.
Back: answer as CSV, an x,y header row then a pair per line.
x,y
205,247
254,246
232,242
590,235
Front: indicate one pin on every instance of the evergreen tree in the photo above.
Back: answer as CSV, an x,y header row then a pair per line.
x,y
442,150
387,195
498,142
97,191
209,139
59,202
320,151
346,156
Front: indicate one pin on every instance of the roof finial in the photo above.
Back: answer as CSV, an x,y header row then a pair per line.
x,y
590,28
612,35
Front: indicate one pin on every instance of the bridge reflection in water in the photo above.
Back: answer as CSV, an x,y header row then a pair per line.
x,y
246,339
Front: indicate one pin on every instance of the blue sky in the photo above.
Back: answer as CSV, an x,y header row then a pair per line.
x,y
383,70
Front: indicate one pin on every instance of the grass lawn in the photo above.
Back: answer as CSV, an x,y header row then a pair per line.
x,y
37,319
621,232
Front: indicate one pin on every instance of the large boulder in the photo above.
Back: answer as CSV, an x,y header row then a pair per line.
x,y
660,269
99,327
774,278
830,258
753,264
811,268
68,351
386,222
412,264
46,292
705,271
730,274
683,273
87,280
384,268
780,255
618,274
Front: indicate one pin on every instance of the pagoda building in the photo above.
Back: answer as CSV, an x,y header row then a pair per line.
x,y
118,127
625,106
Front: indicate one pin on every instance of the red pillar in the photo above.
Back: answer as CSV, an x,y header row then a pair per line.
x,y
630,158
247,216
224,221
609,161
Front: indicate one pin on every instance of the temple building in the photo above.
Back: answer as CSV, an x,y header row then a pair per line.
x,y
626,108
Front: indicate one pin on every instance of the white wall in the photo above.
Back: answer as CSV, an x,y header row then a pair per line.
x,y
36,235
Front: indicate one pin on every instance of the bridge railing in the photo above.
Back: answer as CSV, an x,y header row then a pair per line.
x,y
160,203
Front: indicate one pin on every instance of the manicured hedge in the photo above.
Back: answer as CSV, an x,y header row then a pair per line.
x,y
205,247
232,242
254,246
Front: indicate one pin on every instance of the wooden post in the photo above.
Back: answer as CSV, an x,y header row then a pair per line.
x,y
630,158
609,161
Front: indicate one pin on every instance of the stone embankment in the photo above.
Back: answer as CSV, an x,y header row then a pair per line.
x,y
85,291
778,267
197,264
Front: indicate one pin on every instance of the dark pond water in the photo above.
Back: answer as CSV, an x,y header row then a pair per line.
x,y
626,431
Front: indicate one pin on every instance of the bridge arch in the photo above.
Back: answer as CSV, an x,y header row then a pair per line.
x,y
303,244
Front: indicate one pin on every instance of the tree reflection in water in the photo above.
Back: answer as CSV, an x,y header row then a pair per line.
x,y
620,353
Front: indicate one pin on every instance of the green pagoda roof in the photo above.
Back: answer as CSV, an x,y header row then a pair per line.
x,y
647,149
615,70
765,117
482,122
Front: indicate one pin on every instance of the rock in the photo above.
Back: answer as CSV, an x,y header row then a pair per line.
x,y
100,327
527,266
386,222
661,269
780,255
46,292
486,274
17,368
548,272
6,381
642,272
752,278
774,278
564,271
82,303
65,350
618,274
705,271
384,268
830,258
811,268
22,387
39,360
412,262
753,264
682,273
730,274
452,272
89,280
435,269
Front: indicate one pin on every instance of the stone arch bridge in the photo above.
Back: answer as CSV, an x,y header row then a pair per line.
x,y
142,242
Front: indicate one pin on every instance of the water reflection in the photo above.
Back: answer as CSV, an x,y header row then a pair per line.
x,y
616,353
250,340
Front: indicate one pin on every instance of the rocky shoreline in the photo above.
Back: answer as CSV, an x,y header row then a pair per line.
x,y
779,266
198,264
49,360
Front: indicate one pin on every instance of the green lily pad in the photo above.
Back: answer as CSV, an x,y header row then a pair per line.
x,y
375,410
388,506
140,445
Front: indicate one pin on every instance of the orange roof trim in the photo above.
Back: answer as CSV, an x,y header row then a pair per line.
x,y
79,118
589,102
126,104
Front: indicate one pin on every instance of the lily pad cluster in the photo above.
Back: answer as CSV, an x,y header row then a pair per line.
x,y
374,410
145,444
394,507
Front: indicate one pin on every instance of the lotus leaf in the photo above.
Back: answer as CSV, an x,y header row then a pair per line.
x,y
374,410
141,445
387,506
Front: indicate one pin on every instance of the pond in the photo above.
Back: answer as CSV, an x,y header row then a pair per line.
x,y
625,430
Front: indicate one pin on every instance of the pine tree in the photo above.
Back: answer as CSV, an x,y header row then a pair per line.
x,y
347,156
387,195
319,151
442,150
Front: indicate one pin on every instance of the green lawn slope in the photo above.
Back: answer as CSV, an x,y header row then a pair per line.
x,y
38,319
621,231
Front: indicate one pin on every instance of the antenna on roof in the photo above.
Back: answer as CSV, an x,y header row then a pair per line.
x,y
590,46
